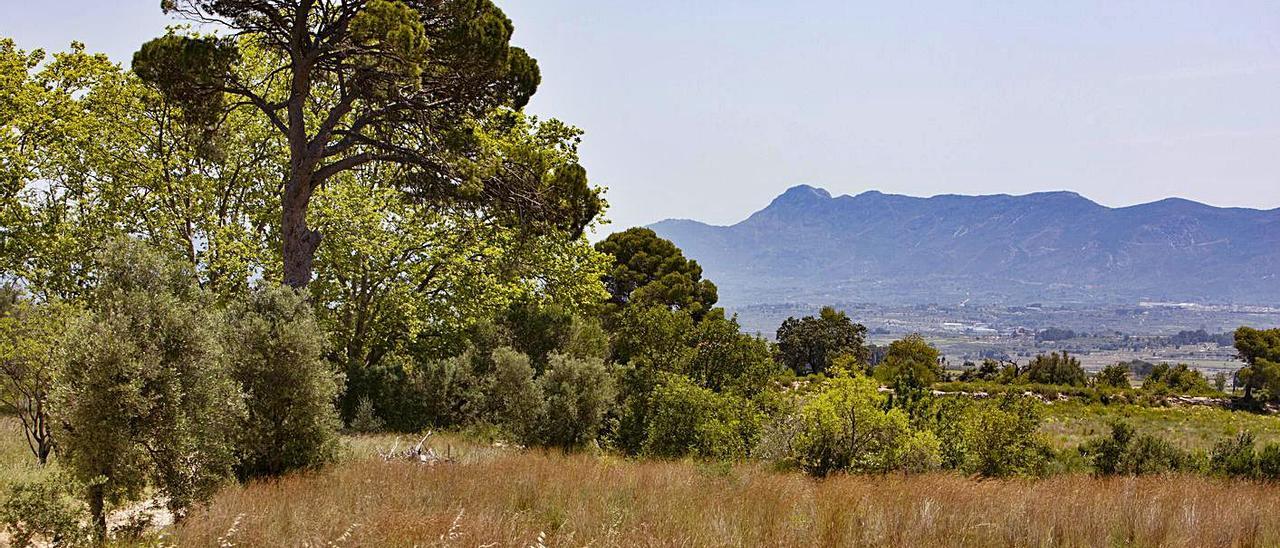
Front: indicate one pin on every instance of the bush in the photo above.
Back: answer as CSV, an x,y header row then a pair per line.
x,y
910,362
1179,379
289,388
578,392
1000,439
42,513
1269,462
1113,376
514,401
1234,457
725,359
1126,453
1056,368
845,427
366,419
146,398
688,420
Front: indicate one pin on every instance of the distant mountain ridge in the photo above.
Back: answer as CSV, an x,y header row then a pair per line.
x,y
1046,247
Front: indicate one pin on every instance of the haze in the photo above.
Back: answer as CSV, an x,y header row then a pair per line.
x,y
708,109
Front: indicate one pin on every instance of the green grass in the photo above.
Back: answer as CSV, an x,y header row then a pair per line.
x,y
17,464
1067,424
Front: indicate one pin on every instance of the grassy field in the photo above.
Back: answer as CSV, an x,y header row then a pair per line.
x,y
494,496
515,498
1067,424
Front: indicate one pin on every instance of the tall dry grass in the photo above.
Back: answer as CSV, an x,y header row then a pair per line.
x,y
526,498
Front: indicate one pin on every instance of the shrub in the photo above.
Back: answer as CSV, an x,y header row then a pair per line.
x,y
1269,462
1234,457
725,359
514,401
920,453
44,513
910,362
1113,376
578,392
688,420
1000,438
366,419
1056,368
289,388
1179,378
146,397
845,427
1126,453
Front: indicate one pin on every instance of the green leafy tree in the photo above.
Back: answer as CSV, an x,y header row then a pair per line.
x,y
809,344
725,359
31,343
1178,378
659,337
1113,376
289,389
358,84
1260,349
146,398
515,400
911,359
578,393
97,153
1000,437
846,427
1056,368
650,271
689,420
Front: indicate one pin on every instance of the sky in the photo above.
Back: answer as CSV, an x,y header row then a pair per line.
x,y
708,109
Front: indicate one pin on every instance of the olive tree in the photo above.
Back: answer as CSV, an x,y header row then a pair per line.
x,y
146,398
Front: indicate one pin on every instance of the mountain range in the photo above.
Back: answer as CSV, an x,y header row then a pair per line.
x,y
1050,247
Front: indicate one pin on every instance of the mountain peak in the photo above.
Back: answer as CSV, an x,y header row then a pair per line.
x,y
804,192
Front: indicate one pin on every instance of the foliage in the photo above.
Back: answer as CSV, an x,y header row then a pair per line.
x,y
659,337
515,401
650,271
147,398
1056,368
1260,349
1000,439
845,427
366,419
1179,379
910,362
578,393
44,512
289,389
1234,457
809,344
1113,376
375,85
725,359
689,420
30,347
1126,452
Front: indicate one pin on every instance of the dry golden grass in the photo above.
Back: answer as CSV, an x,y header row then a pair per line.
x,y
512,498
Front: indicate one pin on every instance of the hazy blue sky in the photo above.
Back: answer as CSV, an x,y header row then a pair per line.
x,y
707,109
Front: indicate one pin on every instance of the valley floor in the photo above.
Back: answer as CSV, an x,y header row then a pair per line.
x,y
508,497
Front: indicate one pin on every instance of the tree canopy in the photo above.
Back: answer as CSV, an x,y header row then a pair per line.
x,y
357,84
809,344
648,270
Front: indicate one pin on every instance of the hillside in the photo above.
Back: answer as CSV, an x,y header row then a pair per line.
x,y
1044,247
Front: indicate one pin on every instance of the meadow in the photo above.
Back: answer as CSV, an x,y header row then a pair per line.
x,y
511,497
492,495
